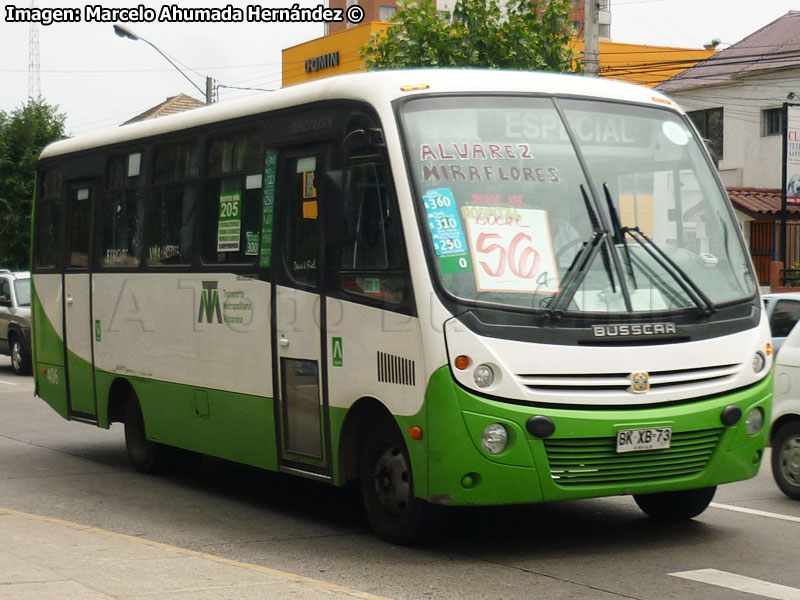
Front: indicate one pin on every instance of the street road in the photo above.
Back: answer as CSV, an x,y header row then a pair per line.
x,y
743,547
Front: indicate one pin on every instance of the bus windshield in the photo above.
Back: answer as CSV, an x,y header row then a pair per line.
x,y
579,205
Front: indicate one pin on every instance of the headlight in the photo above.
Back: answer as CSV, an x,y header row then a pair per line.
x,y
483,376
754,421
494,438
759,362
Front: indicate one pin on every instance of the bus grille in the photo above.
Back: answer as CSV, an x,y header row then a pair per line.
x,y
613,383
594,461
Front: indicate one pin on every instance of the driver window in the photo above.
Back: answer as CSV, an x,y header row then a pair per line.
x,y
371,261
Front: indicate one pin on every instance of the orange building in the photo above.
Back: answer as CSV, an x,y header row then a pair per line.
x,y
338,53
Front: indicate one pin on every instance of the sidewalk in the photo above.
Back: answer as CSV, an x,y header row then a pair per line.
x,y
47,559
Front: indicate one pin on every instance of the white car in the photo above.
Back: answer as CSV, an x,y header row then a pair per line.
x,y
785,430
783,311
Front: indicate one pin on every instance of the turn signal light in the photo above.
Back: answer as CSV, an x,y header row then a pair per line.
x,y
768,349
415,432
462,362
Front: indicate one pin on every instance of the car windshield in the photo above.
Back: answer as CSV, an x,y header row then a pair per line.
x,y
588,206
22,289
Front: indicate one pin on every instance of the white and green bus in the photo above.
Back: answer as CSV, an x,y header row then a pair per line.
x,y
456,287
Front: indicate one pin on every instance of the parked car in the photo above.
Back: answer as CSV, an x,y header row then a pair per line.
x,y
15,319
785,429
783,310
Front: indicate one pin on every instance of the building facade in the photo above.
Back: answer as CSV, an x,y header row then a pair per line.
x,y
735,99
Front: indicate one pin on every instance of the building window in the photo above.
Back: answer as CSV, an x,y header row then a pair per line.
x,y
385,13
349,4
709,124
771,122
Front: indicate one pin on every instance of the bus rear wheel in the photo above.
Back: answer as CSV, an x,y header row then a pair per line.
x,y
675,506
145,455
387,490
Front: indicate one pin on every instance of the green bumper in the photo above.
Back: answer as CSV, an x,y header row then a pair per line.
x,y
579,460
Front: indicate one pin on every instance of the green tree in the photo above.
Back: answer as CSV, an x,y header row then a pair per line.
x,y
527,35
23,134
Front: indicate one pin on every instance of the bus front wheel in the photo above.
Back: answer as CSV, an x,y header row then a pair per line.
x,y
387,490
675,506
145,455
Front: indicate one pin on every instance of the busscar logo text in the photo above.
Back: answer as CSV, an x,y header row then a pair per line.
x,y
634,329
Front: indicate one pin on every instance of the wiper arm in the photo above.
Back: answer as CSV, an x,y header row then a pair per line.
x,y
575,275
580,265
694,292
619,233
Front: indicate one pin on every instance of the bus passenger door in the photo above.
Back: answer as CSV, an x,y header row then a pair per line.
x,y
299,317
78,329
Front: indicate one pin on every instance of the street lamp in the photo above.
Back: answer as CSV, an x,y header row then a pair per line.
x,y
124,32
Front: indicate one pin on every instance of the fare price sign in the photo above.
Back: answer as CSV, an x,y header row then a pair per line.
x,y
446,231
512,249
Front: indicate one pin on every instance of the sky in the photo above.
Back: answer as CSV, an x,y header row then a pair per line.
x,y
100,80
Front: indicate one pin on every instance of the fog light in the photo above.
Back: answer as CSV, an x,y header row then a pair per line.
x,y
494,438
540,426
754,421
759,362
483,376
731,415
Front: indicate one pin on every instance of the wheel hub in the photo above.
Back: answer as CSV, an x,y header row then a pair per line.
x,y
391,480
790,460
16,356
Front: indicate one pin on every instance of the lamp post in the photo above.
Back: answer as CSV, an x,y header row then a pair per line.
x,y
124,32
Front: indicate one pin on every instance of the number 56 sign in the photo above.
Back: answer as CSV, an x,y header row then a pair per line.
x,y
512,250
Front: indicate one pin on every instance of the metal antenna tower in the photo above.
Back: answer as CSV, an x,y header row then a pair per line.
x,y
34,70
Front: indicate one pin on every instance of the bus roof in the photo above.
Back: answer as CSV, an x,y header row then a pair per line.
x,y
376,87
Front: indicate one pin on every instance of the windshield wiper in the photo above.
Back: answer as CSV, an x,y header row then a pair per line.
x,y
688,285
662,258
580,265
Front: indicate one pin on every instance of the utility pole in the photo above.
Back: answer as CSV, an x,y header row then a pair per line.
x,y
209,90
591,52
34,70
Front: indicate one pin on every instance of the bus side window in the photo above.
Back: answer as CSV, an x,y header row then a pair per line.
x,y
48,223
371,262
124,208
171,209
232,198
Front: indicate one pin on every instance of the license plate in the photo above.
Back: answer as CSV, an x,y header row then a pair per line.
x,y
649,438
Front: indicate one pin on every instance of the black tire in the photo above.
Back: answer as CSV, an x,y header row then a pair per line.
x,y
145,455
20,361
675,506
786,459
387,490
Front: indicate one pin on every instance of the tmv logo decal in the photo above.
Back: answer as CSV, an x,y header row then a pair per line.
x,y
209,303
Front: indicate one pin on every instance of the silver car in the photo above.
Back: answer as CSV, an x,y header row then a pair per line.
x,y
783,311
15,319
